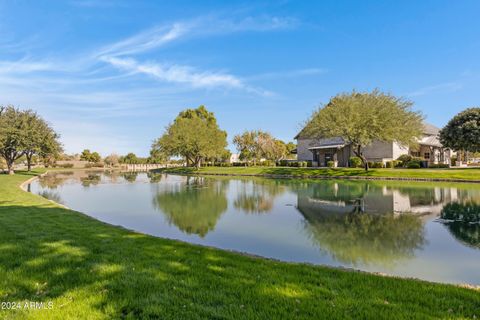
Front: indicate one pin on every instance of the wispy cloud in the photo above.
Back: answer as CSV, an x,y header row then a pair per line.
x,y
442,87
289,74
177,73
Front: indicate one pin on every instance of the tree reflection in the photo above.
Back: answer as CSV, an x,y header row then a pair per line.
x,y
257,196
463,222
358,238
130,176
194,207
51,195
91,179
154,177
53,180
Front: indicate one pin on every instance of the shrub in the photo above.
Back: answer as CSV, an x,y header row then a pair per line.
x,y
404,158
268,163
330,164
94,165
355,162
389,164
376,165
370,164
439,165
413,164
65,165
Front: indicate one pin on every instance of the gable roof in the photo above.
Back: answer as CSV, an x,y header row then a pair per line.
x,y
428,129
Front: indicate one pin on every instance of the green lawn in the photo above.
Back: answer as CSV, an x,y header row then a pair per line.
x,y
92,270
467,174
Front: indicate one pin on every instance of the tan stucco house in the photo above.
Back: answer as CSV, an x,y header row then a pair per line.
x,y
321,151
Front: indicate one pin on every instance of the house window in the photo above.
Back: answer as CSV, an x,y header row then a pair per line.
x,y
427,155
415,154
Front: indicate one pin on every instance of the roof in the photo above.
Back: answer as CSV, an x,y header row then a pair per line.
x,y
327,143
430,129
430,141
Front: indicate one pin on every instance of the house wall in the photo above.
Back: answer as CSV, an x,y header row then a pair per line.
x,y
379,151
303,154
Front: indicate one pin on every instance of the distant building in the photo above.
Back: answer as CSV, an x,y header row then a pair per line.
x,y
321,151
234,157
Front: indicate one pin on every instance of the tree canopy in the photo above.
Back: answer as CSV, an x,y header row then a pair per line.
x,y
89,156
361,118
25,133
193,135
256,144
462,133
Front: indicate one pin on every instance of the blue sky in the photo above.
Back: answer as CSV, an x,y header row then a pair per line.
x,y
110,75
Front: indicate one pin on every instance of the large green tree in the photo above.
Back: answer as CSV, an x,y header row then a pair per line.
x,y
360,118
193,135
13,135
41,140
89,156
462,133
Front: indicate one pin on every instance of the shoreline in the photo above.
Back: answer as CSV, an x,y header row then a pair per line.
x,y
319,177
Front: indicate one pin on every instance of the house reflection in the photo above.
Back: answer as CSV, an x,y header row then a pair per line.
x,y
370,223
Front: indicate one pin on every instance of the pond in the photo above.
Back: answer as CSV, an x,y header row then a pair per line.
x,y
429,231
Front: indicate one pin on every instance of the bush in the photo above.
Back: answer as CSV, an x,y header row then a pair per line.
x,y
330,164
65,165
438,165
413,164
94,165
376,165
404,158
283,163
355,162
268,163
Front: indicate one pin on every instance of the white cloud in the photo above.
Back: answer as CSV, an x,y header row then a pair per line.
x,y
177,73
439,88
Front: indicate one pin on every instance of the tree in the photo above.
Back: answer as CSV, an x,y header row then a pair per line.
x,y
42,139
111,160
361,118
13,135
193,135
90,156
256,144
130,158
462,133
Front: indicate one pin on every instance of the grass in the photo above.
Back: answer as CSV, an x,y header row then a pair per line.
x,y
465,174
91,270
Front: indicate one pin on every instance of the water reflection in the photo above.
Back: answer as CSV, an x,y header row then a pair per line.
x,y
380,226
257,196
463,222
360,223
194,206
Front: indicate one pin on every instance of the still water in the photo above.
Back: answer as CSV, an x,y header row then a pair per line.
x,y
423,230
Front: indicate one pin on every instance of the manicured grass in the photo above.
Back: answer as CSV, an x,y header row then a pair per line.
x,y
92,270
467,174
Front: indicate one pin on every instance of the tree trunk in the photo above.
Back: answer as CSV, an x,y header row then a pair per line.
x,y
358,153
29,161
10,167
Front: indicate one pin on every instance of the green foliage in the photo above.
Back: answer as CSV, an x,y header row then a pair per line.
x,y
361,118
330,164
438,165
112,160
413,164
26,134
89,156
130,158
256,144
463,131
194,135
355,162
